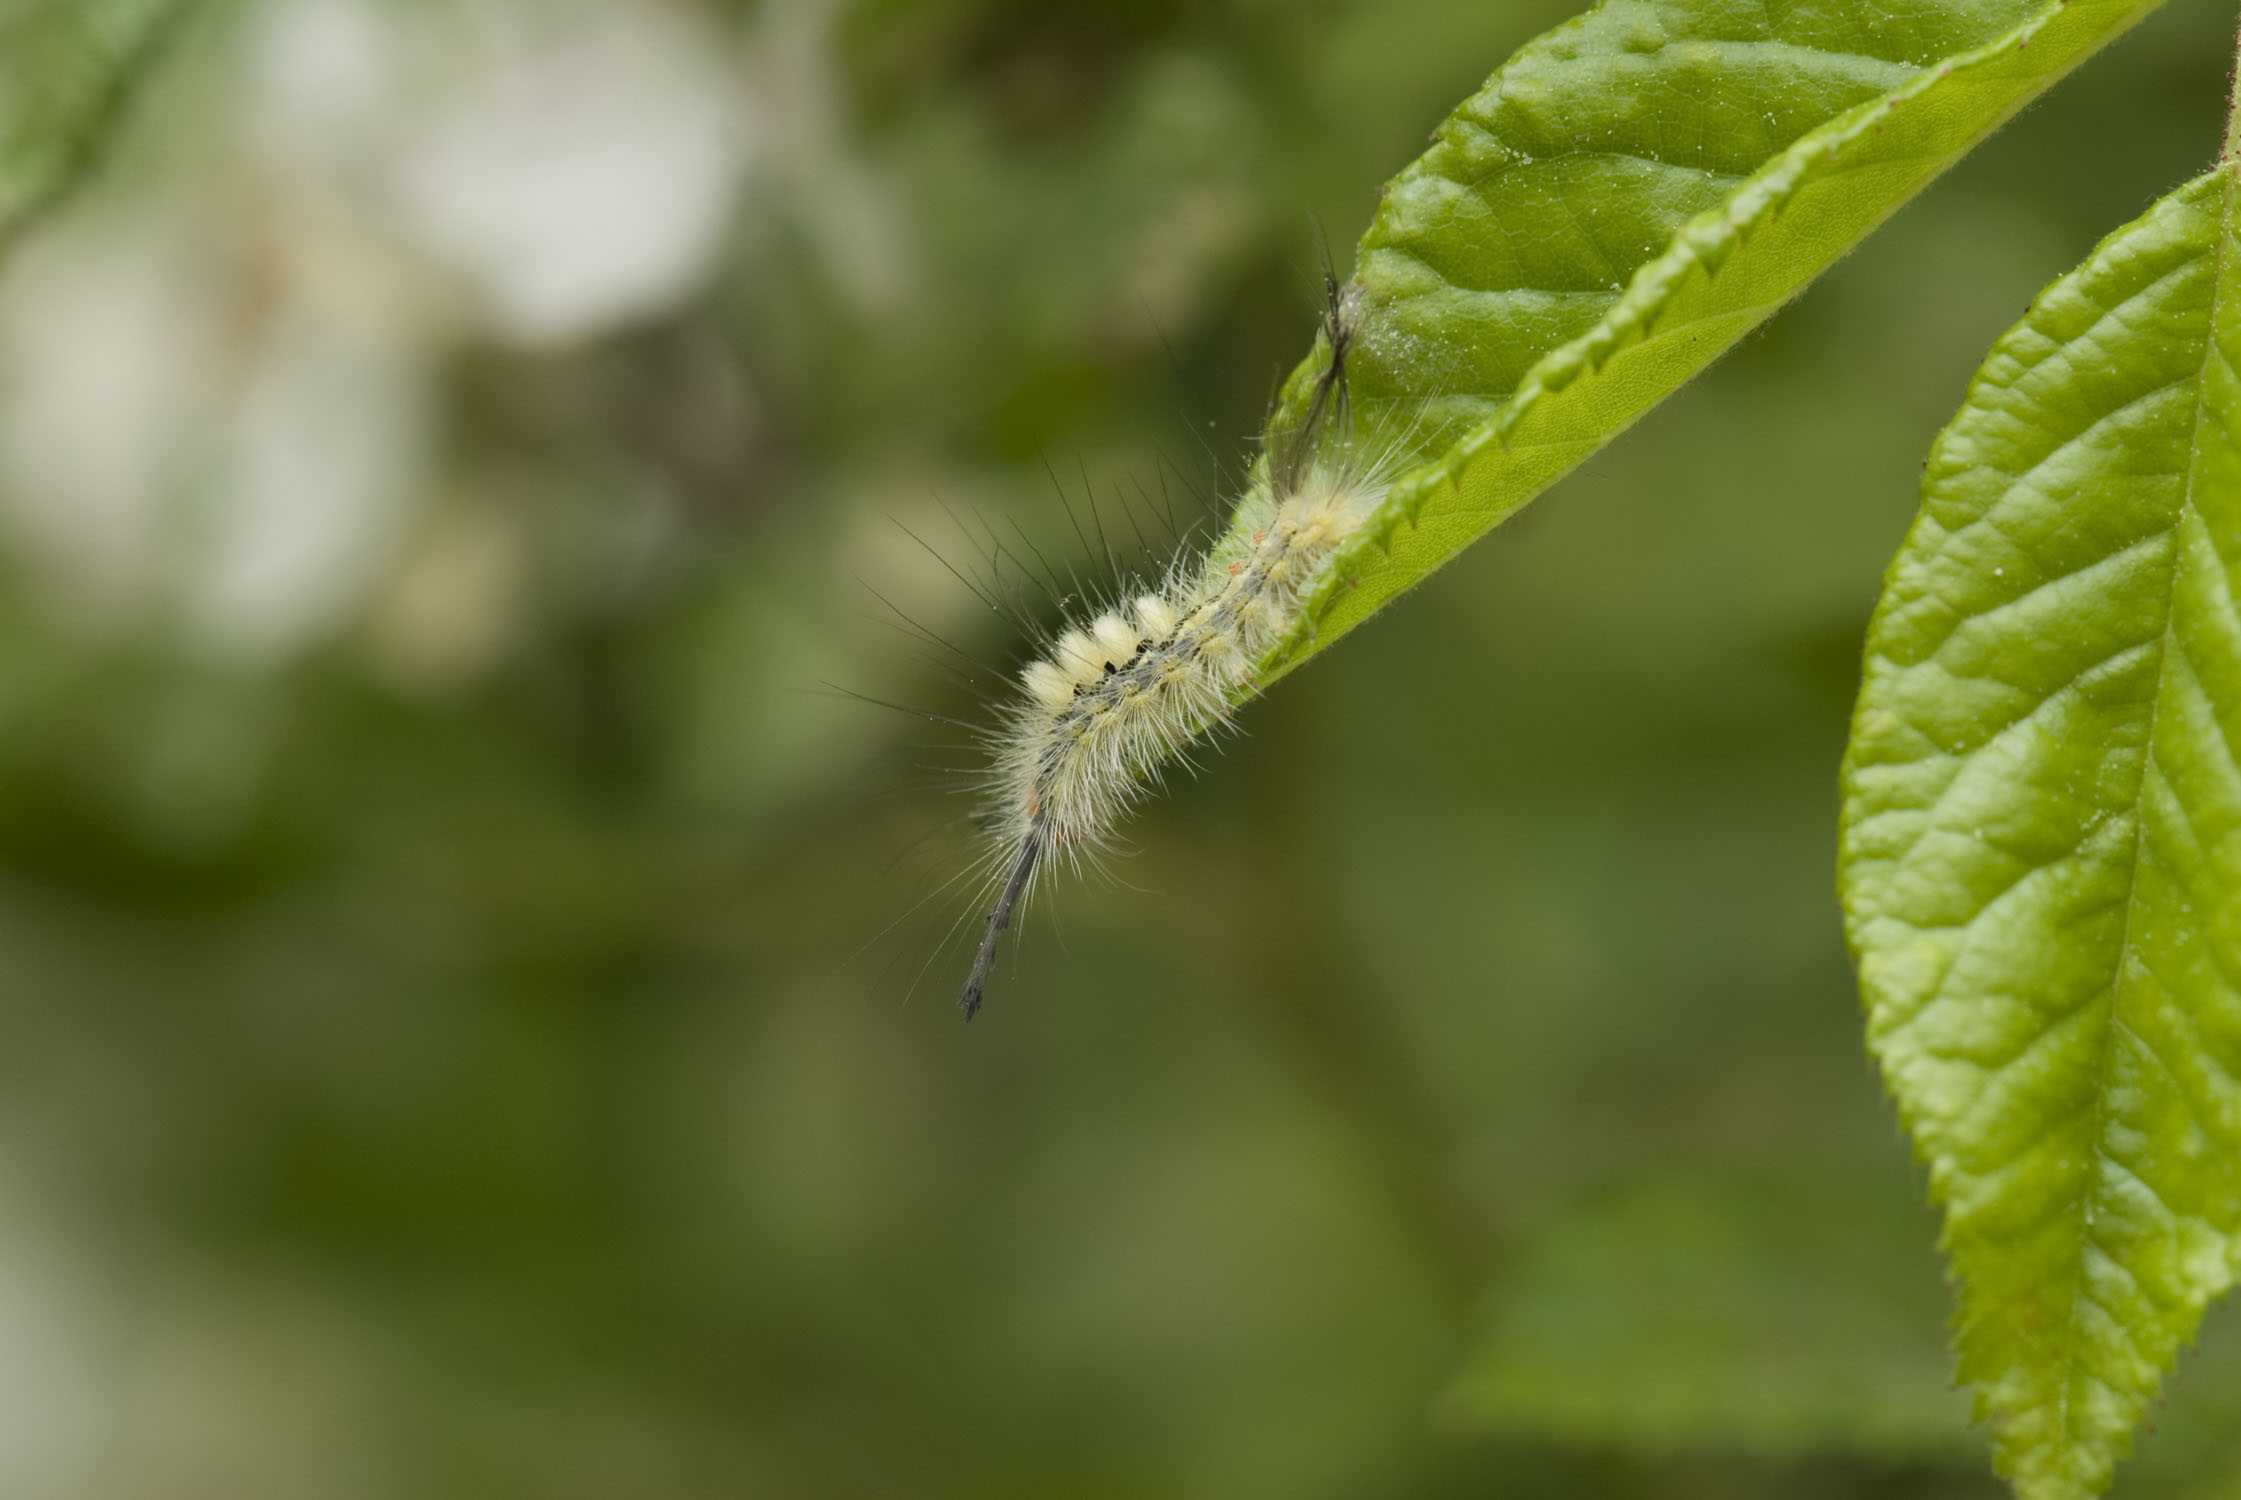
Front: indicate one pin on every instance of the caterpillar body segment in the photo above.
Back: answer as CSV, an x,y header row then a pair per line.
x,y
1117,698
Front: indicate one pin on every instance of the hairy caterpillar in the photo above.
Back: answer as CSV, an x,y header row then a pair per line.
x,y
1119,696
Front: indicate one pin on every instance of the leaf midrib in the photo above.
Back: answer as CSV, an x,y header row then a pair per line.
x,y
2089,1196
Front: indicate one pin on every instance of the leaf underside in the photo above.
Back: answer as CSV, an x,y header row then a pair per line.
x,y
1629,195
2042,839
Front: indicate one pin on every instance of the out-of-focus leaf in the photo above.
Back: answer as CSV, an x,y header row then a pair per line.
x,y
2042,838
68,69
1628,196
1772,1314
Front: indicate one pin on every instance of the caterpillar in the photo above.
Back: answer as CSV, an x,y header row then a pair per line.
x,y
1118,697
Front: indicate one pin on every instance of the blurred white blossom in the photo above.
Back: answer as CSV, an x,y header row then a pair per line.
x,y
581,173
218,373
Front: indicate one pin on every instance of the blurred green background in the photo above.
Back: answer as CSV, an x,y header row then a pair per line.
x,y
450,1044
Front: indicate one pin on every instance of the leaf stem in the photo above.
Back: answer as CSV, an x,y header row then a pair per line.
x,y
2232,151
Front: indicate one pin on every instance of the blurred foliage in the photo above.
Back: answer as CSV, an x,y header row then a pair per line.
x,y
430,866
1780,1314
68,68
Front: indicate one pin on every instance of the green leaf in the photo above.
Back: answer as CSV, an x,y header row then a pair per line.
x,y
1773,1313
2194,1451
2042,838
1629,195
68,71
